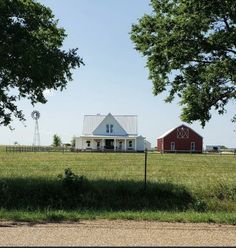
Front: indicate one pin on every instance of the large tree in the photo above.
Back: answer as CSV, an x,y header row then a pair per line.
x,y
31,56
190,46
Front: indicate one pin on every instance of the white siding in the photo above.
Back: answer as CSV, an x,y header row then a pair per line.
x,y
109,120
78,143
81,143
127,122
140,143
148,145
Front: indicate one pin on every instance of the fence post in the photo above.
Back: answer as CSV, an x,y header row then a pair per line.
x,y
145,169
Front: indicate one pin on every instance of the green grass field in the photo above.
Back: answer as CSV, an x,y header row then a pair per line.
x,y
181,187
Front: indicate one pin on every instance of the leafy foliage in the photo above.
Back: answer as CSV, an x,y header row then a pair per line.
x,y
190,48
71,181
56,140
31,56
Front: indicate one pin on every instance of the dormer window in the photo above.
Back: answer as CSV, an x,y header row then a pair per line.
x,y
109,128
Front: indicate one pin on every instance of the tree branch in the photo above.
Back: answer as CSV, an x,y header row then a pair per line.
x,y
200,61
226,23
231,51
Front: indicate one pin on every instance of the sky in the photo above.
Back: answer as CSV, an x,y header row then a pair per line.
x,y
114,80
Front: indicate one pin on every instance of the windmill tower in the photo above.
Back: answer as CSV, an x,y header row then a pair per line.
x,y
35,115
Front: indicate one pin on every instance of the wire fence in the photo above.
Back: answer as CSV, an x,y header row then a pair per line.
x,y
37,149
147,167
72,149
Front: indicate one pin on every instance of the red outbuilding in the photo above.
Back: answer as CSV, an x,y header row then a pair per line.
x,y
180,139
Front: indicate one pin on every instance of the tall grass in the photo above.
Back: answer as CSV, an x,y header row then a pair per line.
x,y
112,185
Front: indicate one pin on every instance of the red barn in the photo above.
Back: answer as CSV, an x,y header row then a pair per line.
x,y
180,139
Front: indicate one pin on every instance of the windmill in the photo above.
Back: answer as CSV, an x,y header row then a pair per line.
x,y
35,115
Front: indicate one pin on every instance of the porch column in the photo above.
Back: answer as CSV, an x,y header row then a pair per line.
x,y
135,144
114,144
102,144
125,144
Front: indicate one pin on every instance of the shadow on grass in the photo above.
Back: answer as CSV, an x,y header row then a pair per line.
x,y
110,195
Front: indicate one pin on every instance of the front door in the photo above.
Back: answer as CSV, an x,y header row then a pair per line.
x,y
172,146
109,144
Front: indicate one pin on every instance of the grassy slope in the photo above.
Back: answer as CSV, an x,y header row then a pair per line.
x,y
197,188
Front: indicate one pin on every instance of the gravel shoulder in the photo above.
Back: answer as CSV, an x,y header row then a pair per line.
x,y
116,233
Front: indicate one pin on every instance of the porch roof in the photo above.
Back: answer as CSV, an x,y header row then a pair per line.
x,y
108,137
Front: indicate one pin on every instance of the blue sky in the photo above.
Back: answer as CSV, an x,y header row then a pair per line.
x,y
114,79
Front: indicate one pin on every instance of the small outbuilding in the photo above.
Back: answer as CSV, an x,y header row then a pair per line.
x,y
213,148
180,139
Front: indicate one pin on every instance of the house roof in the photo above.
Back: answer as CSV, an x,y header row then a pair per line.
x,y
127,122
172,129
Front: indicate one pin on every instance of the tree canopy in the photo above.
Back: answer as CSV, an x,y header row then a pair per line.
x,y
190,46
56,140
32,58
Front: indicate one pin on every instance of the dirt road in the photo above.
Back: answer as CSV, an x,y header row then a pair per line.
x,y
116,233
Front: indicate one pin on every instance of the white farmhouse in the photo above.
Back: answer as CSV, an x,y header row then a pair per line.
x,y
110,132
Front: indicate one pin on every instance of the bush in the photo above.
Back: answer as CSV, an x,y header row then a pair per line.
x,y
71,182
200,205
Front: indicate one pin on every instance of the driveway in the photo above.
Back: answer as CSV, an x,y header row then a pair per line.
x,y
116,233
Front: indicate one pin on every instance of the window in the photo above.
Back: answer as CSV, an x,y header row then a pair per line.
x,y
172,146
88,143
192,146
130,143
98,144
109,128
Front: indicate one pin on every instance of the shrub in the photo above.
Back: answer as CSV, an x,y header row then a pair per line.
x,y
73,182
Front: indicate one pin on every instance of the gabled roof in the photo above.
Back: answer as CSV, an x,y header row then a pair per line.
x,y
127,122
106,120
166,133
172,129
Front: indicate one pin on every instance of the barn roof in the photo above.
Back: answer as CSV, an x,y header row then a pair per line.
x,y
172,129
127,122
166,133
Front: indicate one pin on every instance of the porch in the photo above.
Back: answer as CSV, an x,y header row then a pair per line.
x,y
109,143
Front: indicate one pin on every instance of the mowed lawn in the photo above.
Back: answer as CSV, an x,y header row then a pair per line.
x,y
180,187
